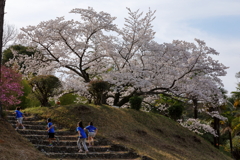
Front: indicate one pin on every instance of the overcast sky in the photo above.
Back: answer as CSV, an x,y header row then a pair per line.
x,y
217,22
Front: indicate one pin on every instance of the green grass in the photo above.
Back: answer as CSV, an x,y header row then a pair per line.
x,y
148,134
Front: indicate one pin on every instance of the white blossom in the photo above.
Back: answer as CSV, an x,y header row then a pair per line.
x,y
195,125
129,58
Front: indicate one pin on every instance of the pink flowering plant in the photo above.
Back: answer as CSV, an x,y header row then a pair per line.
x,y
10,87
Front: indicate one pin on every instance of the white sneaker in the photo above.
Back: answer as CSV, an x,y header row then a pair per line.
x,y
16,128
24,128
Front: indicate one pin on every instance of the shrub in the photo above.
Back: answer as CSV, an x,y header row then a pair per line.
x,y
68,98
98,88
27,89
175,111
135,102
44,87
10,87
32,101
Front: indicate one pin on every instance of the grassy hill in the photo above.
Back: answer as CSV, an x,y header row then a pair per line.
x,y
148,134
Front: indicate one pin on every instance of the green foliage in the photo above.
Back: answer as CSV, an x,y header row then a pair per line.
x,y
98,88
236,96
68,98
135,102
209,137
175,111
27,89
236,147
32,101
174,106
164,99
7,54
44,87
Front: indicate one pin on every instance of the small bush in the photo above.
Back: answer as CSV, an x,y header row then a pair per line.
x,y
175,111
45,86
27,89
135,102
32,101
68,99
98,88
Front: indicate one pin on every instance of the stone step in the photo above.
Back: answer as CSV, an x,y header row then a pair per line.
x,y
12,113
65,142
26,115
33,127
74,149
27,118
66,146
29,122
94,155
139,158
42,132
70,149
61,137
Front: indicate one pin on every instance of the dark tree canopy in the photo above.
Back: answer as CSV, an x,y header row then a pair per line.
x,y
98,88
44,87
7,53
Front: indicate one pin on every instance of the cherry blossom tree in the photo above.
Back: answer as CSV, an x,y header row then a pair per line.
x,y
129,58
72,45
179,68
10,86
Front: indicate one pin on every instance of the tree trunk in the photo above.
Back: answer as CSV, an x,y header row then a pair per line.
x,y
45,103
123,101
195,105
2,6
116,99
218,132
230,141
216,128
104,98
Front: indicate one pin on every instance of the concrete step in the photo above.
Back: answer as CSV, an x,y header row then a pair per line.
x,y
65,142
12,113
74,149
94,155
61,137
66,146
29,122
33,127
42,132
28,118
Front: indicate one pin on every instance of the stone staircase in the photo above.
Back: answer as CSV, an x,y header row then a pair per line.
x,y
66,146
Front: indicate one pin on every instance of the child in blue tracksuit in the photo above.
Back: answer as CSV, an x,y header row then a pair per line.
x,y
51,131
81,137
92,131
19,117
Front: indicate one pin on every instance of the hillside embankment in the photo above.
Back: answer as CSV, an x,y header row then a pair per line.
x,y
14,147
149,134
